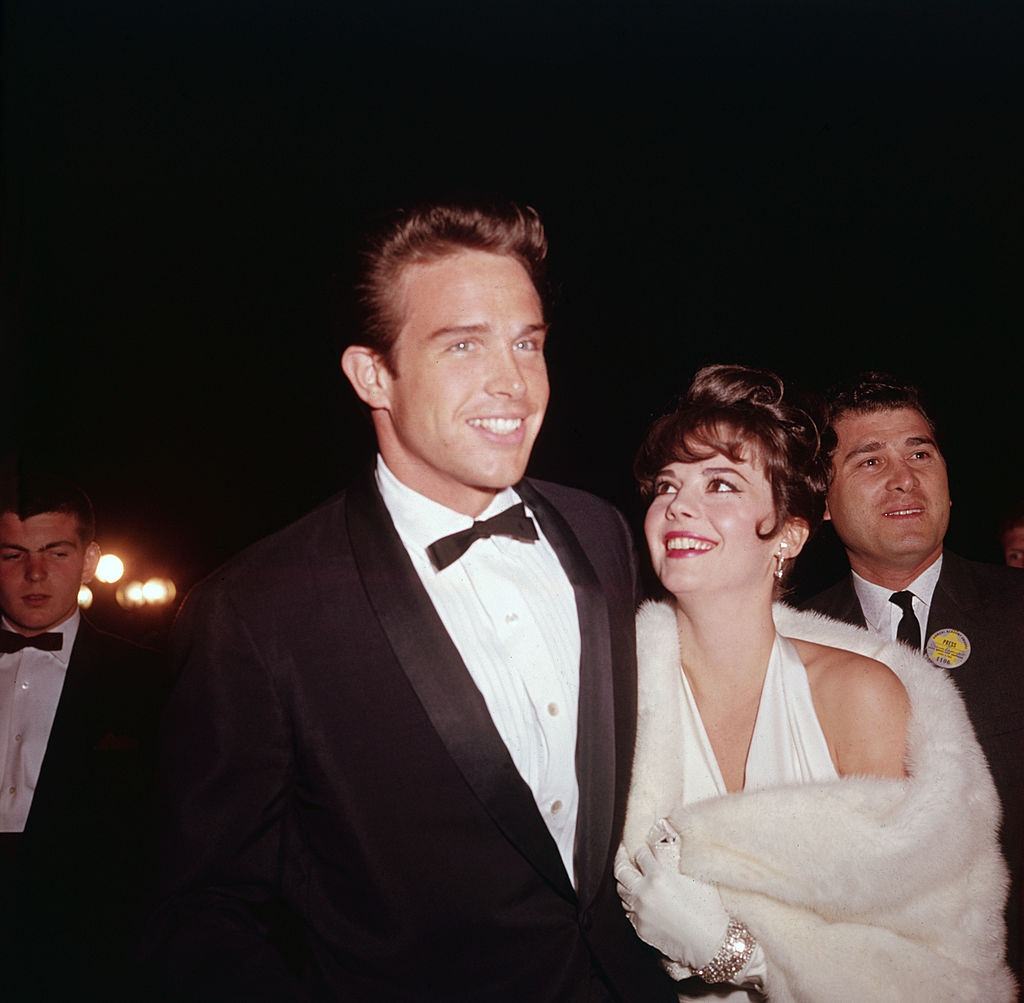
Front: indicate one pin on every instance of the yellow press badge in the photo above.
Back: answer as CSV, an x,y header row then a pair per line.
x,y
948,648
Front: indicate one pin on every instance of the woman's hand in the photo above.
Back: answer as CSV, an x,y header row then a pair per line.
x,y
681,917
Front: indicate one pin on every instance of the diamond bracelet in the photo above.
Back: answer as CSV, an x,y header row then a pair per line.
x,y
731,957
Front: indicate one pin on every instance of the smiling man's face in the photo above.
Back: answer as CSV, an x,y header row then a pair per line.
x,y
457,418
889,496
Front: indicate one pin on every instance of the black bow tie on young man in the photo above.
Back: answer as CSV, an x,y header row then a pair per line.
x,y
512,522
10,642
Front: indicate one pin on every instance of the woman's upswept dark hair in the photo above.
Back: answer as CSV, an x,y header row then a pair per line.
x,y
740,412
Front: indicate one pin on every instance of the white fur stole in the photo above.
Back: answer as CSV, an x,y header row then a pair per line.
x,y
859,888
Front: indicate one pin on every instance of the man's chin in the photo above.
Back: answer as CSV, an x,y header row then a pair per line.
x,y
905,535
909,553
500,476
41,622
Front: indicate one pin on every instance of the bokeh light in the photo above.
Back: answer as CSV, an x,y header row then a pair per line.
x,y
130,596
109,569
158,591
85,597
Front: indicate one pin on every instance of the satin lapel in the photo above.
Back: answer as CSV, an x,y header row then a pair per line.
x,y
595,737
442,683
69,736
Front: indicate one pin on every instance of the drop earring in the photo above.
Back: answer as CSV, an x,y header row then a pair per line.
x,y
780,562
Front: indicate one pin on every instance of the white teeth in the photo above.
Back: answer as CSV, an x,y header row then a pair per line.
x,y
499,426
905,511
687,543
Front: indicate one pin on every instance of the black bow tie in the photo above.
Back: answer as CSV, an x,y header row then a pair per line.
x,y
512,522
10,642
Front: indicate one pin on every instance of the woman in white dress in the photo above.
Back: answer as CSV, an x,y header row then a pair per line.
x,y
810,816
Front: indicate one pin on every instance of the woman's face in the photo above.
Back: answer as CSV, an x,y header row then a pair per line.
x,y
702,527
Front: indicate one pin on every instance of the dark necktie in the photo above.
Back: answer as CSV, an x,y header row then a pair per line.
x,y
909,630
512,522
10,642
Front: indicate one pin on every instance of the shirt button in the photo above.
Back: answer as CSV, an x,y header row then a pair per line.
x,y
511,617
24,685
17,738
553,709
556,806
10,790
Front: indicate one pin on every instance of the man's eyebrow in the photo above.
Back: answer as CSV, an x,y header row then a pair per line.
x,y
875,445
55,545
865,447
445,332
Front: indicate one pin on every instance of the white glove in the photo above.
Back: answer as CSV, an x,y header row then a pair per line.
x,y
681,917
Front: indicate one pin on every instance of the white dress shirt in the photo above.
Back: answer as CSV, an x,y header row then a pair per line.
x,y
883,616
510,610
30,686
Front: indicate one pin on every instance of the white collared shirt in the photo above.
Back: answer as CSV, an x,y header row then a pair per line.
x,y
31,682
510,610
883,616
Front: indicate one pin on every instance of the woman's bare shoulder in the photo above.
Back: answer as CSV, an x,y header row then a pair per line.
x,y
862,707
846,671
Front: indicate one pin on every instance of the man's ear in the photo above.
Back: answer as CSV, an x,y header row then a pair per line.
x,y
92,557
367,373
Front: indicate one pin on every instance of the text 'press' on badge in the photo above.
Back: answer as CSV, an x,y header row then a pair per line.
x,y
948,648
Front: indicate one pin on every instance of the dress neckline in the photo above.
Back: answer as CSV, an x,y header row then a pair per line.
x,y
774,657
787,743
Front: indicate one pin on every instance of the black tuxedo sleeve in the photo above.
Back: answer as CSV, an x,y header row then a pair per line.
x,y
635,584
219,930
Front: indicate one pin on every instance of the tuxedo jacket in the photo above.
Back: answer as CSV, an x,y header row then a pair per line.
x,y
76,878
342,819
985,602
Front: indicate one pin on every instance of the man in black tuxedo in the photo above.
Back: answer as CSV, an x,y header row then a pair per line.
x,y
398,751
889,503
78,718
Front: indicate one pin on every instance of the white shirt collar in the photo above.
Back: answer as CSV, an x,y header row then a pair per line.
x,y
68,629
420,520
874,599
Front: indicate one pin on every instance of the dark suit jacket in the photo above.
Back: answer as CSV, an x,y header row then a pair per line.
x,y
343,820
76,878
985,602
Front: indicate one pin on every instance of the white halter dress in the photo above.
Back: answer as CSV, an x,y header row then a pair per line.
x,y
787,747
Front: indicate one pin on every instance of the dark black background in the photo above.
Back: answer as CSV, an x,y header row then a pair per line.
x,y
815,187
